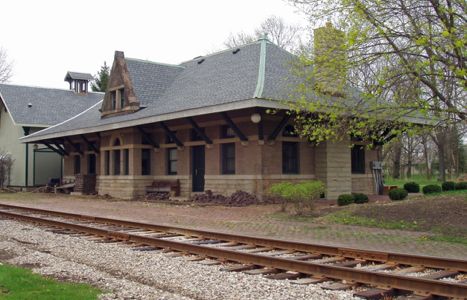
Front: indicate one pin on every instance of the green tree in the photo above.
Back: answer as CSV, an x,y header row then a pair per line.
x,y
101,79
407,58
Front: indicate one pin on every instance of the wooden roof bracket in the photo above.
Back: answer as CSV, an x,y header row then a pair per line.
x,y
73,146
272,137
88,144
148,137
171,134
199,131
234,127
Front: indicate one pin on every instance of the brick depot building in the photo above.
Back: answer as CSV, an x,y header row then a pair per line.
x,y
204,123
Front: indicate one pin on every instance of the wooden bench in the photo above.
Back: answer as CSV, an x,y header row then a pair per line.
x,y
165,185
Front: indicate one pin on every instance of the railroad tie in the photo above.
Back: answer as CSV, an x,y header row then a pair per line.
x,y
375,294
309,280
265,271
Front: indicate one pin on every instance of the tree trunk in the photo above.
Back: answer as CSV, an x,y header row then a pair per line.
x,y
396,170
426,156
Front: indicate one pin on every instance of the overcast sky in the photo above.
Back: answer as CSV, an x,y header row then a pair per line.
x,y
46,38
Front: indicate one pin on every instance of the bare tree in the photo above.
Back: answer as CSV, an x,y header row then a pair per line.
x,y
289,37
5,66
6,162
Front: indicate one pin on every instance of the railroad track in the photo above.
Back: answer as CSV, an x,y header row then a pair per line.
x,y
377,274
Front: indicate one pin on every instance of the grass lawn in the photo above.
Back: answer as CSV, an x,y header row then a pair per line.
x,y
17,283
420,179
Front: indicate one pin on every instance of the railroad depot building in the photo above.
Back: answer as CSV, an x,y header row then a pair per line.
x,y
203,125
25,110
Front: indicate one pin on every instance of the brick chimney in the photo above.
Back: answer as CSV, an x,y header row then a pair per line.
x,y
330,65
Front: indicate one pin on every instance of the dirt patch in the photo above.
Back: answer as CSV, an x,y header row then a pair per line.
x,y
6,255
443,214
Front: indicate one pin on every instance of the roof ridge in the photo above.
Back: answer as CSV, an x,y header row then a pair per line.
x,y
261,68
154,62
43,87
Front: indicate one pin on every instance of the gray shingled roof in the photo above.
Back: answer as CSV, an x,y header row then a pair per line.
x,y
48,106
222,78
78,76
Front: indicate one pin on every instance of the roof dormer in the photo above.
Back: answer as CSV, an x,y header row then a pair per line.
x,y
79,82
120,97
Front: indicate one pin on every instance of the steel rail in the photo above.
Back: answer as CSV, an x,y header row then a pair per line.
x,y
382,280
399,258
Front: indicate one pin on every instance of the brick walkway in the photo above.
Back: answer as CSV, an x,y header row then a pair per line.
x,y
253,220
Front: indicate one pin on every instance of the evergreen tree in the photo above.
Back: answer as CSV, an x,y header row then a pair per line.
x,y
101,79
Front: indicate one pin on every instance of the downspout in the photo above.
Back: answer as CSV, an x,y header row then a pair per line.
x,y
26,158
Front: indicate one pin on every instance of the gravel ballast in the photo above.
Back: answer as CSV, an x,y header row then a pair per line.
x,y
123,273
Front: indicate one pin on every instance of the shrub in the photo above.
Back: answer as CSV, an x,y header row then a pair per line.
x,y
448,186
360,198
431,188
301,194
345,199
398,194
412,187
461,185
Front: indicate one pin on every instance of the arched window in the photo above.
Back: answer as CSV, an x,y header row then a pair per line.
x,y
116,157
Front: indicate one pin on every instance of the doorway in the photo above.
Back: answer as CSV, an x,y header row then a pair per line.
x,y
198,168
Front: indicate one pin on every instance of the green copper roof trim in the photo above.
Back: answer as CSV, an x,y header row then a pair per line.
x,y
262,67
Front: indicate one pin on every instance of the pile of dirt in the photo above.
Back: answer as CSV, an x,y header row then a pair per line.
x,y
239,198
157,196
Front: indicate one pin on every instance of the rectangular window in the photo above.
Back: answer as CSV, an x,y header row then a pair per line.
x,y
172,161
228,158
290,158
91,164
126,161
113,100
116,162
107,162
77,164
227,132
122,98
358,159
145,161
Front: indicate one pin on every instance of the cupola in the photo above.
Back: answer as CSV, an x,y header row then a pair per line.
x,y
79,82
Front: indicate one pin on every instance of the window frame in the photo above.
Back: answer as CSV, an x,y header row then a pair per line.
x,y
357,158
146,169
77,164
226,160
170,160
290,164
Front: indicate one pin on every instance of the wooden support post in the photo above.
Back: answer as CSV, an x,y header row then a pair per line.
x,y
74,146
234,127
279,127
199,131
171,134
148,137
89,144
